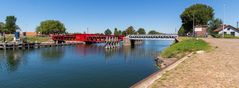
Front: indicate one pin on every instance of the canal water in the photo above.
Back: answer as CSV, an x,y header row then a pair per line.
x,y
81,66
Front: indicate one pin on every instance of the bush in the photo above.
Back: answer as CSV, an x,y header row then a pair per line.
x,y
225,36
216,35
181,31
228,36
9,38
37,39
179,50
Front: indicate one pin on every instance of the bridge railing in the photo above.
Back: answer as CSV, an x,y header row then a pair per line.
x,y
154,36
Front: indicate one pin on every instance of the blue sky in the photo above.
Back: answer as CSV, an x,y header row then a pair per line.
x,y
98,15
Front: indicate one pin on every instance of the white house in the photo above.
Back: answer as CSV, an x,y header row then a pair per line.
x,y
228,29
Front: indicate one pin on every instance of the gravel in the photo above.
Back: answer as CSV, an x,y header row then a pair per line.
x,y
218,68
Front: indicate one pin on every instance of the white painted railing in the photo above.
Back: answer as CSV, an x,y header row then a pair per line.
x,y
153,37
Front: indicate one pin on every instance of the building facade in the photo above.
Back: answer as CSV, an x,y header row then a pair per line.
x,y
228,30
201,31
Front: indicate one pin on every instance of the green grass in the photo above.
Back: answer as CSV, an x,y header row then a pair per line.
x,y
184,38
8,38
37,39
226,36
230,36
179,50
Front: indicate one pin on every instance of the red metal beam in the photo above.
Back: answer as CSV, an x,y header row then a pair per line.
x,y
93,38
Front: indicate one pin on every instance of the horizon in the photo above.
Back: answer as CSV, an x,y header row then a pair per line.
x,y
98,16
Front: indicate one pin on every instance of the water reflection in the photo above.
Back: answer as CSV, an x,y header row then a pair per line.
x,y
109,53
11,60
126,51
85,50
78,66
52,54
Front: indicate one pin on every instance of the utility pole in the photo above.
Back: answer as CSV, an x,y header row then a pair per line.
x,y
87,30
193,24
223,19
237,24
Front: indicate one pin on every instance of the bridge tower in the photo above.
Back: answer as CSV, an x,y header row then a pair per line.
x,y
112,42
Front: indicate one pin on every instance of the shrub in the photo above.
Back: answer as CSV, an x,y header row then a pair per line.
x,y
8,38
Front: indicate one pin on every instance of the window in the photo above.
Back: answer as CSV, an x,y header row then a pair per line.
x,y
228,29
225,33
233,33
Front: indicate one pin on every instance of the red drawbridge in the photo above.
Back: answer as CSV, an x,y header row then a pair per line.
x,y
87,38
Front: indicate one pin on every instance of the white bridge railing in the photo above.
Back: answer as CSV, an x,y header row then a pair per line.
x,y
153,37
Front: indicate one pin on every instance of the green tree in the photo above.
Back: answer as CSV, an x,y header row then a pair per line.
x,y
108,32
181,31
120,32
117,32
10,25
130,30
2,27
154,32
197,14
124,33
214,24
141,31
51,27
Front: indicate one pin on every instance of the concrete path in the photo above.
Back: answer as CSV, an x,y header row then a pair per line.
x,y
216,69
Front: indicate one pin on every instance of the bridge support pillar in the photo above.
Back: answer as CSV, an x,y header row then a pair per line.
x,y
112,42
126,41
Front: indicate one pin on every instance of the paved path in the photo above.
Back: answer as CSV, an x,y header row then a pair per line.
x,y
217,69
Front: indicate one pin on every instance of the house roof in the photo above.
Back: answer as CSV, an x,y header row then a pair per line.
x,y
31,33
225,26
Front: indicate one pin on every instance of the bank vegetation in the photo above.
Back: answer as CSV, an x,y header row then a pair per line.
x,y
184,47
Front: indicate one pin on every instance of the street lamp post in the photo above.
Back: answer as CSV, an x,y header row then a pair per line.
x,y
237,24
223,19
193,24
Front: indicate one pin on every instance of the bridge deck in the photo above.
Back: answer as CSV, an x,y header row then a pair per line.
x,y
153,37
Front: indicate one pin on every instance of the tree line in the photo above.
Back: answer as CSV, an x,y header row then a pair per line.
x,y
129,31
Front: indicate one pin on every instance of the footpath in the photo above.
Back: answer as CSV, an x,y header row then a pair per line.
x,y
216,69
